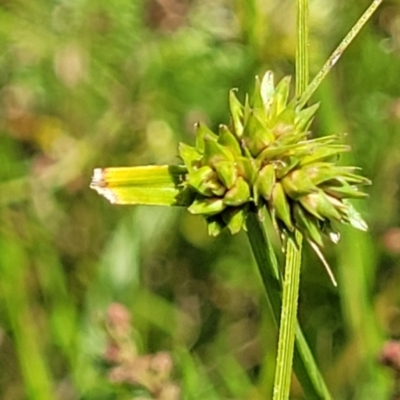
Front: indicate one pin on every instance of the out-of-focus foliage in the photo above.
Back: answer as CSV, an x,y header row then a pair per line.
x,y
94,83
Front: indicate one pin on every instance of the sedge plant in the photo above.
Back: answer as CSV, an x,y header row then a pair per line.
x,y
264,162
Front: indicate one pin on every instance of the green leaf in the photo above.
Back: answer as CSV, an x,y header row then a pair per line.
x,y
152,185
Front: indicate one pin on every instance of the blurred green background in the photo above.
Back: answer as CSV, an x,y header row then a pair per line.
x,y
91,83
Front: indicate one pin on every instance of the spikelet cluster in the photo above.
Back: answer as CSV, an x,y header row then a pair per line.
x,y
265,158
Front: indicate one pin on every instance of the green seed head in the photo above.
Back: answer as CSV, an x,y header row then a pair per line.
x,y
266,159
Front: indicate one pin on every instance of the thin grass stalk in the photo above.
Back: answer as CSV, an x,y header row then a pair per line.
x,y
287,327
305,367
333,59
291,282
302,64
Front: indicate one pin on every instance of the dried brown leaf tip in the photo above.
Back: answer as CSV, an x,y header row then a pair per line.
x,y
148,373
266,159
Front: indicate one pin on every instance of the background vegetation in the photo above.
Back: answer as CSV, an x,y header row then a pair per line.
x,y
95,83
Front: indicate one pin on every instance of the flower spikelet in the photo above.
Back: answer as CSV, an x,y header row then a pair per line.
x,y
265,158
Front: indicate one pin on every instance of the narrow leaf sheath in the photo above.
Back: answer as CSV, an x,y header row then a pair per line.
x,y
148,185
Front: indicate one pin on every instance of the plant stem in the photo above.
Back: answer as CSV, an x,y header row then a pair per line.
x,y
333,59
291,282
287,328
302,67
305,367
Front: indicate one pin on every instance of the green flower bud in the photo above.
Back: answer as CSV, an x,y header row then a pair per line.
x,y
304,117
266,159
247,169
297,184
256,99
199,180
285,165
226,172
207,206
320,172
201,133
228,140
281,205
273,152
282,130
256,135
190,156
214,152
323,153
234,218
281,95
320,205
215,225
265,181
239,194
217,188
236,113
344,191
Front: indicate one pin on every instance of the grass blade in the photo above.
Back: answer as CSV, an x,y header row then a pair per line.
x,y
287,325
333,59
304,364
148,185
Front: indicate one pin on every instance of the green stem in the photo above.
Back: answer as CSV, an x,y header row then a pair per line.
x,y
305,367
333,59
287,328
291,283
302,68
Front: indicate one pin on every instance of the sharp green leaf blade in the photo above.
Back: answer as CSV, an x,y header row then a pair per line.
x,y
151,185
304,364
